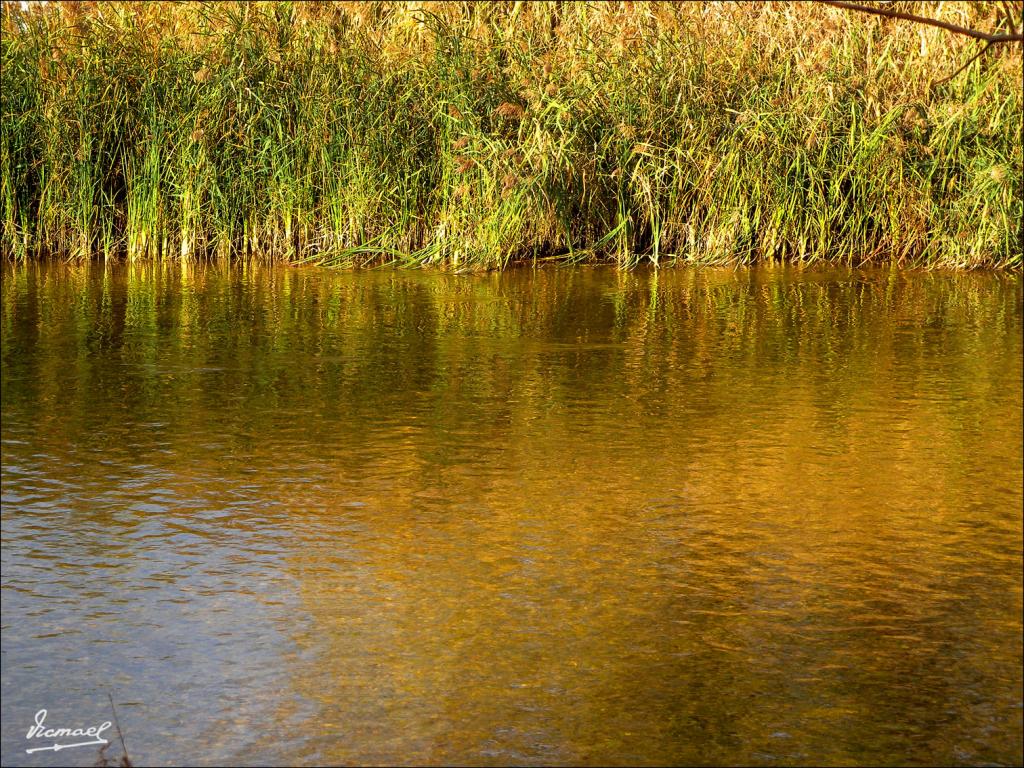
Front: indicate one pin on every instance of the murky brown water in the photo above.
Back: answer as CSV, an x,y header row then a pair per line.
x,y
566,516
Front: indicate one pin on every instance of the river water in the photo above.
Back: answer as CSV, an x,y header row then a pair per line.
x,y
574,515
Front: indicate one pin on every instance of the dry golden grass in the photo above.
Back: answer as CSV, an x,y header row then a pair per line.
x,y
481,133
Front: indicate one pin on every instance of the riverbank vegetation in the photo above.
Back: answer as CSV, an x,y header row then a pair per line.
x,y
479,134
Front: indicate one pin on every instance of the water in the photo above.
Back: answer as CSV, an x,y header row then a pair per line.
x,y
554,516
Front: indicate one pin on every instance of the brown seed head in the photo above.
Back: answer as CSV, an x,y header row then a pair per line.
x,y
510,110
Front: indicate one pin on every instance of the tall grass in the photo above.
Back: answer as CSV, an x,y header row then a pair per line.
x,y
476,134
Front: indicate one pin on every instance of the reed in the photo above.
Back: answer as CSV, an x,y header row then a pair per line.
x,y
472,135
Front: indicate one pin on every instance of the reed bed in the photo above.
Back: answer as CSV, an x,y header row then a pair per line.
x,y
473,135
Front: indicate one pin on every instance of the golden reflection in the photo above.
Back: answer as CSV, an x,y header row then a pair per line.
x,y
583,516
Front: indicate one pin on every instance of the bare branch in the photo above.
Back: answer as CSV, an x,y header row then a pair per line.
x,y
968,63
975,33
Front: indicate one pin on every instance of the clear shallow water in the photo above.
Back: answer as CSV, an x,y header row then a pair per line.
x,y
564,516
